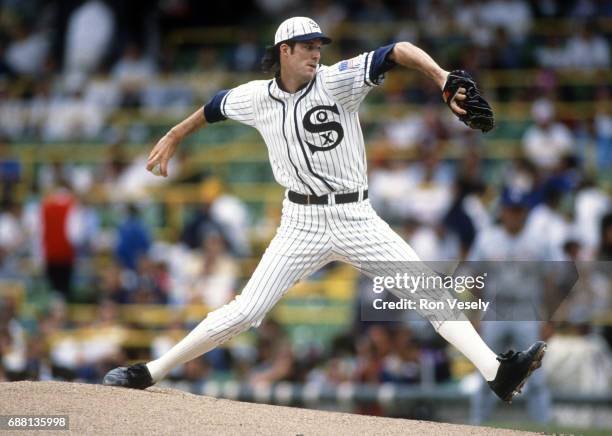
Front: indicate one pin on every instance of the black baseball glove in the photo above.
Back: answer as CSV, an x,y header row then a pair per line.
x,y
479,113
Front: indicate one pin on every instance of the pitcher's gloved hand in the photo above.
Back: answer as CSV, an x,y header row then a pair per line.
x,y
479,113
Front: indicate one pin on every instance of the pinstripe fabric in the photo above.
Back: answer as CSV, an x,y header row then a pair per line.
x,y
301,246
308,238
299,27
361,238
314,136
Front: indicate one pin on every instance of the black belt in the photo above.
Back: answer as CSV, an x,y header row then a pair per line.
x,y
350,197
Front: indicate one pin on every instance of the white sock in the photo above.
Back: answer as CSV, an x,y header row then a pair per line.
x,y
218,327
463,336
196,343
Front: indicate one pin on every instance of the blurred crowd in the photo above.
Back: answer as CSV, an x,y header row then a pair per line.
x,y
61,82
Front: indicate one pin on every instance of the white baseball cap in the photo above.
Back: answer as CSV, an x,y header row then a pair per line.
x,y
299,29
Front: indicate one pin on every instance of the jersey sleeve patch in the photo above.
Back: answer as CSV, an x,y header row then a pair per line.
x,y
212,110
380,64
347,65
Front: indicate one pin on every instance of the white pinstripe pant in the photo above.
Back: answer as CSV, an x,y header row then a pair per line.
x,y
308,237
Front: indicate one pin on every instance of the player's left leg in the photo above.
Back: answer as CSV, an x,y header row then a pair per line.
x,y
300,247
274,275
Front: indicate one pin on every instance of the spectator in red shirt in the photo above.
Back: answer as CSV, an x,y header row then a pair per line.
x,y
57,215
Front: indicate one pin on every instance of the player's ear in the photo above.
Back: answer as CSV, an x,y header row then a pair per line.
x,y
284,49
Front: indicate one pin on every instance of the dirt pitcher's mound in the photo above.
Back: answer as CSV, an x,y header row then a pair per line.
x,y
97,410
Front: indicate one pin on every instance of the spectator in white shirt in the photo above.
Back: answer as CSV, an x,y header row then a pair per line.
x,y
588,50
85,49
546,219
546,141
133,71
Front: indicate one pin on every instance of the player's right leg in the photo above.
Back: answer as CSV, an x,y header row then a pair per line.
x,y
363,239
537,394
483,401
299,248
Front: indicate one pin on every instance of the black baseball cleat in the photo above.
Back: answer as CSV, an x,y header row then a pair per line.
x,y
134,376
514,370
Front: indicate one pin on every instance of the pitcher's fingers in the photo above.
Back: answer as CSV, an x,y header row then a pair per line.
x,y
455,107
164,167
153,156
151,164
154,152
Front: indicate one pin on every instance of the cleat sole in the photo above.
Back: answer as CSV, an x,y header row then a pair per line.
x,y
537,362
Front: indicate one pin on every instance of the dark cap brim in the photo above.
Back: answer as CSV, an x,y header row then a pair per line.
x,y
310,36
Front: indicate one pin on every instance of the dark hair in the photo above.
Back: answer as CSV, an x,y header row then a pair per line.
x,y
270,62
132,210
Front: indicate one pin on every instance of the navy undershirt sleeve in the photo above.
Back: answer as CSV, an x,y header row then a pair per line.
x,y
380,62
212,109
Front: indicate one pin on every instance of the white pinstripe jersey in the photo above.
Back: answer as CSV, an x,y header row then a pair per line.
x,y
314,138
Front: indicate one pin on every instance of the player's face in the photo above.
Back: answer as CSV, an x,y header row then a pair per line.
x,y
302,61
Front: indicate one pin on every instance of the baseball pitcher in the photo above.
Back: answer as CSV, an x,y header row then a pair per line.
x,y
308,117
